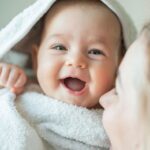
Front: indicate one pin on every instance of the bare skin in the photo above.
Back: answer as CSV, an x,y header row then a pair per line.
x,y
127,108
12,77
90,53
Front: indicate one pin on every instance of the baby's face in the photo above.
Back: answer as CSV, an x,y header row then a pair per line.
x,y
78,55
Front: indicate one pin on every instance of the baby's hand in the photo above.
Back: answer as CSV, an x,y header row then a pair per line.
x,y
12,77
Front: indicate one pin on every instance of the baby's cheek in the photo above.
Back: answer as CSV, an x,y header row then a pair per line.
x,y
105,82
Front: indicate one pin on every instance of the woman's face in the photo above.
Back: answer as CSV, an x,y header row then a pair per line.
x,y
125,107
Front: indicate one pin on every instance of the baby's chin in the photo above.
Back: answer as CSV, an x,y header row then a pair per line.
x,y
80,100
79,103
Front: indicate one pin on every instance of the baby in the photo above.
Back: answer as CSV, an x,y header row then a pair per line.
x,y
77,56
75,61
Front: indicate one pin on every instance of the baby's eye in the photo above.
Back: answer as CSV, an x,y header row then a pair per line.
x,y
59,47
96,52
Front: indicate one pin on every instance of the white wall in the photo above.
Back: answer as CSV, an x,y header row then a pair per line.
x,y
9,8
139,10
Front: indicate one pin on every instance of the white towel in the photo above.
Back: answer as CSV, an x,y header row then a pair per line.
x,y
24,28
35,121
15,131
25,128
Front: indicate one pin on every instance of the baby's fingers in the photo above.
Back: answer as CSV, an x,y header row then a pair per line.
x,y
13,77
17,90
21,81
4,75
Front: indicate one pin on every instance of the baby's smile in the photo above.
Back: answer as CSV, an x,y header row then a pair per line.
x,y
74,85
79,67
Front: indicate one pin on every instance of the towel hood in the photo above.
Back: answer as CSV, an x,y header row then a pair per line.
x,y
23,30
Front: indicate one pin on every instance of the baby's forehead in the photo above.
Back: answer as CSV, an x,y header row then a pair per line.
x,y
84,5
60,5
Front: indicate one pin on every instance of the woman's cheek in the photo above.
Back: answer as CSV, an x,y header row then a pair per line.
x,y
109,119
112,125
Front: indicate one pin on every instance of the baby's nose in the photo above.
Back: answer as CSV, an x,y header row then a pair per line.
x,y
77,60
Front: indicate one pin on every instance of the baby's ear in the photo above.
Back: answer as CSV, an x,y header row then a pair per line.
x,y
34,57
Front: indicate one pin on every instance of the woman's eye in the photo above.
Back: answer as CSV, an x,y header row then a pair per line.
x,y
59,47
96,52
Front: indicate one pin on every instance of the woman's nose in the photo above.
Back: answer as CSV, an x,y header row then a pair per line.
x,y
108,99
77,60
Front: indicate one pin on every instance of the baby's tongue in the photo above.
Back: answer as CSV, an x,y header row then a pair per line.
x,y
74,84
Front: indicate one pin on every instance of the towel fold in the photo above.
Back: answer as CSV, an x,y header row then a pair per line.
x,y
25,28
15,131
35,121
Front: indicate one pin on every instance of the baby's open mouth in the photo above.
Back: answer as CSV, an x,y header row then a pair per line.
x,y
74,84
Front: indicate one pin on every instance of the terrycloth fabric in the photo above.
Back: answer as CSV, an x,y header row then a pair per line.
x,y
25,27
34,121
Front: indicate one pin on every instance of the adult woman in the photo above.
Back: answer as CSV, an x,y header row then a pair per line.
x,y
127,108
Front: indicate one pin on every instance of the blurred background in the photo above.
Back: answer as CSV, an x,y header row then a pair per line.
x,y
139,10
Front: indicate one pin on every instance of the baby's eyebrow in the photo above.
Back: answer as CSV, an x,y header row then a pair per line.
x,y
52,36
101,39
